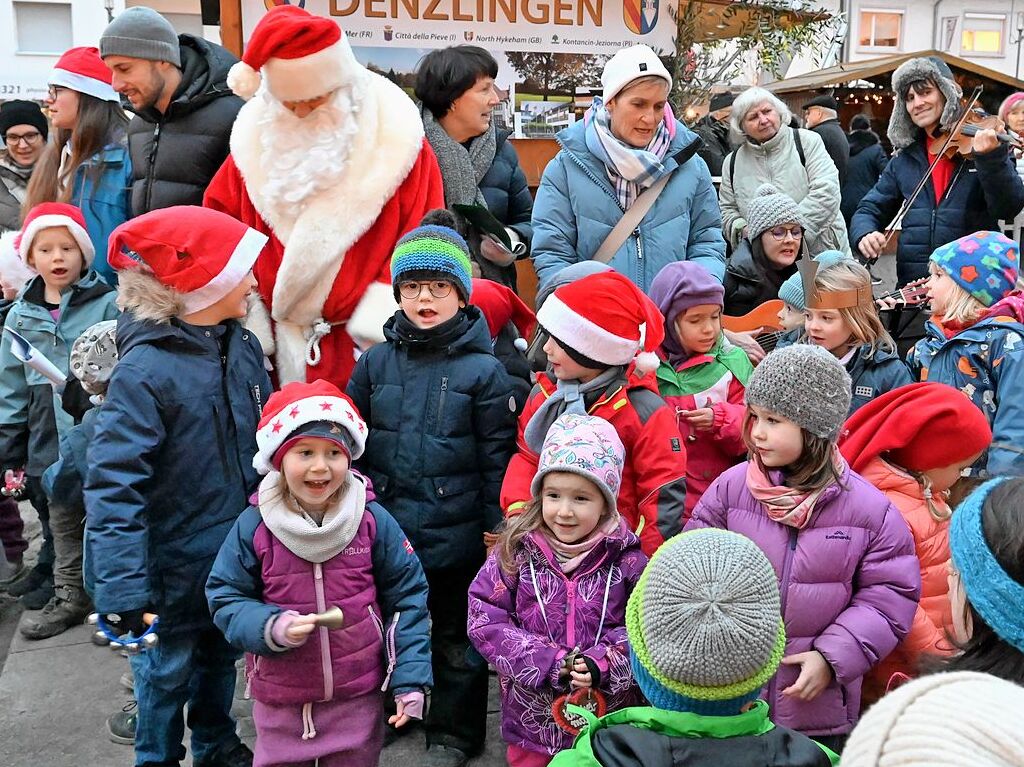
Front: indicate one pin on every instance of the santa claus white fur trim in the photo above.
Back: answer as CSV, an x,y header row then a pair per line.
x,y
385,149
584,336
14,272
375,308
257,320
301,412
300,79
39,223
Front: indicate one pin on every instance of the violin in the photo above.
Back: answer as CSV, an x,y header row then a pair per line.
x,y
974,120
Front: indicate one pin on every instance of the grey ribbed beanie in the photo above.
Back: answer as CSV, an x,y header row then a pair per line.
x,y
942,720
141,33
770,208
805,384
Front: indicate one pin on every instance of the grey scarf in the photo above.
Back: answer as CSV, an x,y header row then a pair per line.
x,y
569,397
301,534
461,169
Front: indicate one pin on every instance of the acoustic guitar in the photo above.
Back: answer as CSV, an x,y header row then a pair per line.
x,y
764,316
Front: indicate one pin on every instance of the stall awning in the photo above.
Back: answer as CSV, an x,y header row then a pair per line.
x,y
882,67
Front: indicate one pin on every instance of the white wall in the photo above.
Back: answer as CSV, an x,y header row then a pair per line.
x,y
23,74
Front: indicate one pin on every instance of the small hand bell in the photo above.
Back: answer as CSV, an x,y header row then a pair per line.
x,y
330,619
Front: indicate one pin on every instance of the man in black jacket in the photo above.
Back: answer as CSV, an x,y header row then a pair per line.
x,y
184,110
714,131
821,115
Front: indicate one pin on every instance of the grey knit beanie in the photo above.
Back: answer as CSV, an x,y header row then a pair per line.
x,y
704,623
805,384
141,33
942,720
770,208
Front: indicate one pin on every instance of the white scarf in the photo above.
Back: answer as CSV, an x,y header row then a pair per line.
x,y
300,533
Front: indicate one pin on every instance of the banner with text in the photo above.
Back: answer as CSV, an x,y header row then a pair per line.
x,y
569,26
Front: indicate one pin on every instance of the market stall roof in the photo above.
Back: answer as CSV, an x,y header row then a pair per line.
x,y
882,67
716,21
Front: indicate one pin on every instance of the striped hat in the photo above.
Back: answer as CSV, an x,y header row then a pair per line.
x,y
434,251
704,623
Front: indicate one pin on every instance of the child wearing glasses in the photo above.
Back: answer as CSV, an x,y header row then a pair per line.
x,y
767,254
441,415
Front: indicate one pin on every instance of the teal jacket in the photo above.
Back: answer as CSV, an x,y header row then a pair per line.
x,y
31,417
576,208
104,200
654,737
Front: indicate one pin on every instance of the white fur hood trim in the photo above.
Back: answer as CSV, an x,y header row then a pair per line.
x,y
385,149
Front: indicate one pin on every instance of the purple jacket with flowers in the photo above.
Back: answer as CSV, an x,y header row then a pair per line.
x,y
849,582
376,580
526,623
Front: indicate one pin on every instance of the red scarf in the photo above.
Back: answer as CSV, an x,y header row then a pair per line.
x,y
943,172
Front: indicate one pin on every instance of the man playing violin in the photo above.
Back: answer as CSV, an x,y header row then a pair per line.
x,y
965,194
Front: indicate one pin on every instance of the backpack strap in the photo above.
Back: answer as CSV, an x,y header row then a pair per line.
x,y
799,147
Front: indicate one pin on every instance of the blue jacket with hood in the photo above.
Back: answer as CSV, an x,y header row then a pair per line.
x,y
576,208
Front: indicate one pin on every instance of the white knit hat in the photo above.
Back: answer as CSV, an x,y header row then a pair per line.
x,y
631,64
942,720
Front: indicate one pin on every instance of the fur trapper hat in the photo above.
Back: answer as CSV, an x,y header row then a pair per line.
x,y
902,131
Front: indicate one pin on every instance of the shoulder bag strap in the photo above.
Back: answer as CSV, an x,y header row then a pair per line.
x,y
799,146
630,220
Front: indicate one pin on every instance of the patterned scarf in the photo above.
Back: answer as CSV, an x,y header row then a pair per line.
x,y
568,397
631,170
781,503
571,555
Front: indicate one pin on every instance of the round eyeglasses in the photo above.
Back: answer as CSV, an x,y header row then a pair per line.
x,y
28,139
412,288
780,232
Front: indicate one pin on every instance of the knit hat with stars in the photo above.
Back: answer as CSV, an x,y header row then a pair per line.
x,y
303,410
985,264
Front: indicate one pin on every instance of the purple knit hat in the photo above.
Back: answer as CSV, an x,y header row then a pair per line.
x,y
675,289
584,445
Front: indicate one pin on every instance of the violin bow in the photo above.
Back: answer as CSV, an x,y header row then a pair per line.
x,y
905,207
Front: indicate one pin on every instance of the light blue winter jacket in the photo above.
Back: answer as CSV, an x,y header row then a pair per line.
x,y
104,200
576,208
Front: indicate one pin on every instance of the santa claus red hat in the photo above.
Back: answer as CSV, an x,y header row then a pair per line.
x,y
48,215
500,305
302,56
920,427
82,69
299,410
201,253
606,318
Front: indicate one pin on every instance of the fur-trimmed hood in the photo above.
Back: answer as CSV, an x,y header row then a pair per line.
x,y
902,131
147,298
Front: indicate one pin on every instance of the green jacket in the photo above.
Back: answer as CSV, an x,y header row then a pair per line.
x,y
654,737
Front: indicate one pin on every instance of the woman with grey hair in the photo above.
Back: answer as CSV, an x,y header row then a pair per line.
x,y
793,160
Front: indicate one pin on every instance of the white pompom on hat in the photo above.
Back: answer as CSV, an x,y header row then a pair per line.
x,y
302,57
628,65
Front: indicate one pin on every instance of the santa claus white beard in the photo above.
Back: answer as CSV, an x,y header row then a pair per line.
x,y
305,155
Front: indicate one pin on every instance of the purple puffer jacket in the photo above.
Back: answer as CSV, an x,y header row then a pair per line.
x,y
526,623
849,582
345,663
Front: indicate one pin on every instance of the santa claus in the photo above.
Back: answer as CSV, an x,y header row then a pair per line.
x,y
330,161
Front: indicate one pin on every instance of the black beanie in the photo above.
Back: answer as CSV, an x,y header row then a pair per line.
x,y
20,112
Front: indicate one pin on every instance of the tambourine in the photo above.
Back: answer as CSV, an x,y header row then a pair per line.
x,y
133,645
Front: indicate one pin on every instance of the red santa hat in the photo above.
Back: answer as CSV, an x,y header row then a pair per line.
x,y
302,56
49,215
82,70
606,318
299,410
201,253
500,305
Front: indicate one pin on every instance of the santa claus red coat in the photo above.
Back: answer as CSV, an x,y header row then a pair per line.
x,y
325,273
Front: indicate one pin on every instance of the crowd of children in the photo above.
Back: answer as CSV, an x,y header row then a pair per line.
x,y
667,555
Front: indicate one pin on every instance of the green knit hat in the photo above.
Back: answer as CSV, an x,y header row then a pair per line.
x,y
434,250
704,623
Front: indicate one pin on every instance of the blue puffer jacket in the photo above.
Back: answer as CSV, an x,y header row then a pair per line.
x,y
442,430
170,465
576,208
985,362
31,418
105,200
505,190
871,374
984,189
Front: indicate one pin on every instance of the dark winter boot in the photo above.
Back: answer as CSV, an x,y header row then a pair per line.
x,y
232,754
121,726
68,607
30,580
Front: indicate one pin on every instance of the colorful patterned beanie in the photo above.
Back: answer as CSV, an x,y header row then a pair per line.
x,y
434,250
985,264
584,445
705,624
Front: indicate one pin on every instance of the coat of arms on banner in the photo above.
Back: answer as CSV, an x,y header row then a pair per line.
x,y
640,15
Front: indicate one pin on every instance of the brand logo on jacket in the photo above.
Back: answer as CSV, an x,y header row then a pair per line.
x,y
838,535
353,551
864,391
